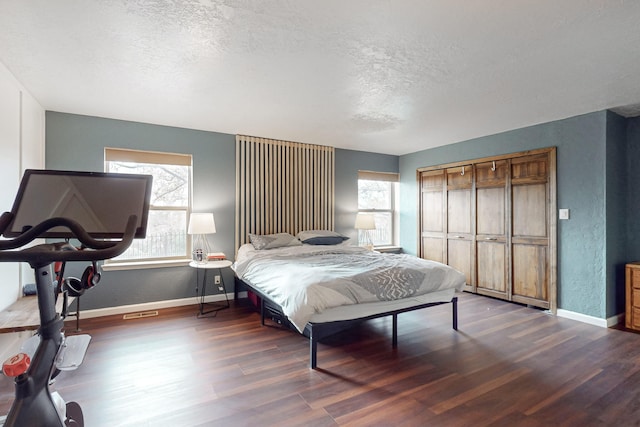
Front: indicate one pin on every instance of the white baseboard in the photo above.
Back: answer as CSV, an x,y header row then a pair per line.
x,y
155,305
615,320
591,320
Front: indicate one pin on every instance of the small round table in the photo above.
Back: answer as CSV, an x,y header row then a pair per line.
x,y
211,265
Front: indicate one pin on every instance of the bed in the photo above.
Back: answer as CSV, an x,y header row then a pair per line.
x,y
323,286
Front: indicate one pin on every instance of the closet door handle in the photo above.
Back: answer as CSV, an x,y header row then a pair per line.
x,y
490,238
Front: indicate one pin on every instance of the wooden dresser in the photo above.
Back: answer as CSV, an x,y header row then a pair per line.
x,y
632,280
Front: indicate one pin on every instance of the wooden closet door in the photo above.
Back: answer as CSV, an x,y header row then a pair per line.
x,y
460,227
432,216
531,231
494,220
492,251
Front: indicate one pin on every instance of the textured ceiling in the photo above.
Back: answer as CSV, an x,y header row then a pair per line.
x,y
383,76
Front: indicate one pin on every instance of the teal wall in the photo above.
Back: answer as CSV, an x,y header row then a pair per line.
x,y
632,212
75,142
587,282
616,218
348,163
596,176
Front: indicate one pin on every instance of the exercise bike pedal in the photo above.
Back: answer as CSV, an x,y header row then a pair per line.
x,y
72,352
74,415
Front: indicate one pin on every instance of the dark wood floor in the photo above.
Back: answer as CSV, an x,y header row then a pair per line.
x,y
507,365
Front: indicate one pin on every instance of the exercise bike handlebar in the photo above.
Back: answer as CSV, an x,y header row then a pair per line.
x,y
52,252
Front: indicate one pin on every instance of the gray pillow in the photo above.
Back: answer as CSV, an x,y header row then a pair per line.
x,y
272,241
321,237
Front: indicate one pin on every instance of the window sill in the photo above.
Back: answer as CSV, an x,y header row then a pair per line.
x,y
140,265
388,249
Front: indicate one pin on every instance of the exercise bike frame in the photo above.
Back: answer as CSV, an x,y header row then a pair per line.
x,y
33,404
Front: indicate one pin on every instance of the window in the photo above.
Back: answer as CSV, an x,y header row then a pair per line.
x,y
169,206
377,194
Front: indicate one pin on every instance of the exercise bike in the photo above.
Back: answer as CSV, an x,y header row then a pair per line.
x,y
104,212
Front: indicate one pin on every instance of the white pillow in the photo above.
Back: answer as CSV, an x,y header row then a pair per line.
x,y
272,241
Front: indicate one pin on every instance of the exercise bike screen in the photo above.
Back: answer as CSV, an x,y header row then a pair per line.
x,y
100,202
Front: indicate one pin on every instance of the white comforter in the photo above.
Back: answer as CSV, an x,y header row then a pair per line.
x,y
308,279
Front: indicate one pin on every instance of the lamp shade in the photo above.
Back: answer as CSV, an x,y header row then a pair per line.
x,y
201,223
365,221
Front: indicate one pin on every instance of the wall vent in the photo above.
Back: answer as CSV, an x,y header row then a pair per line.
x,y
140,315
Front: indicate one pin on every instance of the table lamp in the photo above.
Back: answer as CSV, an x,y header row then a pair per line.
x,y
366,222
199,225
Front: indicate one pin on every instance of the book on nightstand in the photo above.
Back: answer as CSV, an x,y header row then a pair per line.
x,y
216,256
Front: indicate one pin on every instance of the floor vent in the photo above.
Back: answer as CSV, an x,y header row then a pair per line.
x,y
140,315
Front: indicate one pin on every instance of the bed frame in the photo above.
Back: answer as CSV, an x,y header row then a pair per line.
x,y
318,331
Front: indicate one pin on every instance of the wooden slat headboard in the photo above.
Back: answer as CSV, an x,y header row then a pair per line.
x,y
282,186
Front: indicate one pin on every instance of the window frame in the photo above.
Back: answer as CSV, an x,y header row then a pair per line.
x,y
160,158
393,179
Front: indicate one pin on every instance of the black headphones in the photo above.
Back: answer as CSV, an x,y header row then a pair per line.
x,y
90,277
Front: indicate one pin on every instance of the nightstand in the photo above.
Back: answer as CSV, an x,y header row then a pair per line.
x,y
216,266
